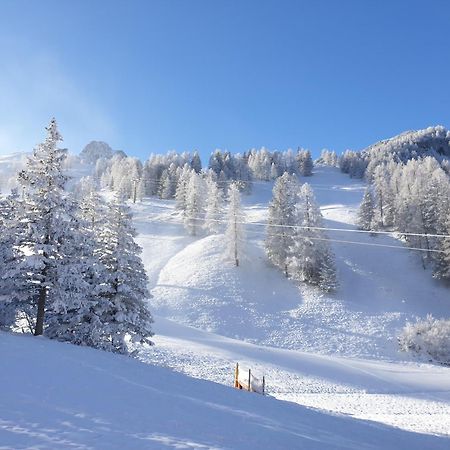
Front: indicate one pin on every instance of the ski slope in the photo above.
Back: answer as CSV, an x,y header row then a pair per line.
x,y
380,288
410,396
78,398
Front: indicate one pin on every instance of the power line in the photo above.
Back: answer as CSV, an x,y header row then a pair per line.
x,y
342,230
341,241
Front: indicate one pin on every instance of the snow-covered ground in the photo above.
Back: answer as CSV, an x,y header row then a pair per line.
x,y
411,396
352,365
79,398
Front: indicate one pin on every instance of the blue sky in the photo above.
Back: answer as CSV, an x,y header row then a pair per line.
x,y
151,76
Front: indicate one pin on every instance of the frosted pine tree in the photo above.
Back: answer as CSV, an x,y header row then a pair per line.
x,y
45,221
234,234
78,289
125,316
282,218
193,214
310,257
196,163
366,211
213,212
13,277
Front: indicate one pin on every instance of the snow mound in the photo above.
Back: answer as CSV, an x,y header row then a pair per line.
x,y
198,286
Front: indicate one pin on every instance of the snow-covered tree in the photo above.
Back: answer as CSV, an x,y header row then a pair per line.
x,y
195,198
124,315
305,163
47,222
213,213
182,187
282,218
310,258
234,234
196,162
13,278
366,211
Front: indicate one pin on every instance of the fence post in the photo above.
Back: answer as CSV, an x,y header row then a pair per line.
x,y
264,385
249,379
236,376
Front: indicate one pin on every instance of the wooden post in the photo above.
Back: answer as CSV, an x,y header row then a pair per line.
x,y
264,385
249,380
236,376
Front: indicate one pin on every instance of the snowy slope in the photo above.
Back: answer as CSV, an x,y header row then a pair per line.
x,y
380,288
72,397
406,395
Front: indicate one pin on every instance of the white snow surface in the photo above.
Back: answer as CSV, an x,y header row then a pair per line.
x,y
59,396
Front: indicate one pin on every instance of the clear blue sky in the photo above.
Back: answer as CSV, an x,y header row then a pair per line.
x,y
151,76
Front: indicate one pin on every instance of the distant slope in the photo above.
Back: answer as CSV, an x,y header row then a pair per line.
x,y
56,396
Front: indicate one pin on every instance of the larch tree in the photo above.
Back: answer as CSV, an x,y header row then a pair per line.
x,y
234,234
213,211
195,198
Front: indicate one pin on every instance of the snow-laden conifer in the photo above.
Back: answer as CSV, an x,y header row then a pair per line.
x,y
310,257
366,211
124,315
282,218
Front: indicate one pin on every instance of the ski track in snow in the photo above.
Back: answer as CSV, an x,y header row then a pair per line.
x,y
193,285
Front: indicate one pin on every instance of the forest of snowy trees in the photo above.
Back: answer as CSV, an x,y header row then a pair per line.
x,y
70,269
409,193
160,175
295,241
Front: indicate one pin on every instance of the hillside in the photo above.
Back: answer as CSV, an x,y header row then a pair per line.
x,y
193,285
431,141
80,398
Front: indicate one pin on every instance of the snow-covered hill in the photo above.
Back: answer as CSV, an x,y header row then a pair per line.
x,y
79,398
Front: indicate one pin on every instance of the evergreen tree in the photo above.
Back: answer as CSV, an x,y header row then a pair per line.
x,y
123,312
310,257
12,280
196,163
305,163
366,211
282,218
46,223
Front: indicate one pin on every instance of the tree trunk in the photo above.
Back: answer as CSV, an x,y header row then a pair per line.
x,y
39,330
